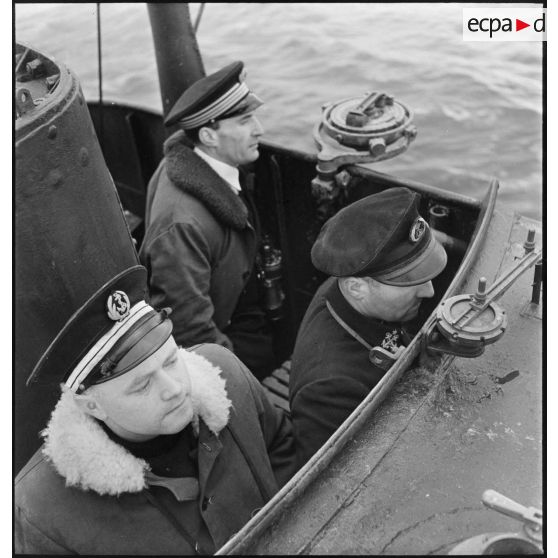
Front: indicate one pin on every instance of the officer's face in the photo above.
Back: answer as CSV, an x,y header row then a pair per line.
x,y
394,304
237,139
152,399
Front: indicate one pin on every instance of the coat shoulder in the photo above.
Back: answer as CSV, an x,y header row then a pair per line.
x,y
42,497
172,204
235,373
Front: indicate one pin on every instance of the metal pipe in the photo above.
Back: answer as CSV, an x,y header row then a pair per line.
x,y
438,217
498,288
179,62
450,243
21,61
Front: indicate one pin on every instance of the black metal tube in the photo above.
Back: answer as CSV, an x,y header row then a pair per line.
x,y
438,217
537,284
179,62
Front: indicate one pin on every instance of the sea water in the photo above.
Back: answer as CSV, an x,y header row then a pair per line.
x,y
477,105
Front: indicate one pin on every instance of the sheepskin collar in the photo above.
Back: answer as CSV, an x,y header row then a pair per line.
x,y
87,458
193,175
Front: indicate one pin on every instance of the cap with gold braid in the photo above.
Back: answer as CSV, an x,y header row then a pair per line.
x,y
113,332
223,94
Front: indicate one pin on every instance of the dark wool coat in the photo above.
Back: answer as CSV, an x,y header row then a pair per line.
x,y
199,247
86,494
331,372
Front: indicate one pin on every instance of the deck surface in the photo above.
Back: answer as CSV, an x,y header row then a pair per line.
x,y
411,481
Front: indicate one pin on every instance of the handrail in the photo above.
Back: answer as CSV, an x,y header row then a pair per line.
x,y
354,422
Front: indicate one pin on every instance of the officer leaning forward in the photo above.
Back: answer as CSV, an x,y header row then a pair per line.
x,y
202,230
151,449
382,257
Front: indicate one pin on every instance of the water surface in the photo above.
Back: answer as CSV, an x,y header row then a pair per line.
x,y
477,106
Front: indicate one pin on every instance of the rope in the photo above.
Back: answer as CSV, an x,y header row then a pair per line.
x,y
198,17
100,74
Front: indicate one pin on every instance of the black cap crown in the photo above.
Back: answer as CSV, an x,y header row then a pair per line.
x,y
380,236
102,333
222,94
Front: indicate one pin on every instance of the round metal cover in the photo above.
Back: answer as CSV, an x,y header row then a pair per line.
x,y
387,121
485,328
501,544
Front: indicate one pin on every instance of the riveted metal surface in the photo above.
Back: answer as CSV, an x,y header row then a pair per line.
x,y
71,237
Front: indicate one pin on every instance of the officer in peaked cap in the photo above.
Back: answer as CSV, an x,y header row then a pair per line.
x,y
141,428
220,95
114,331
202,227
381,236
381,256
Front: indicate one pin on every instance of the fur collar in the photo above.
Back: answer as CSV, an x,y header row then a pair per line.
x,y
194,176
87,458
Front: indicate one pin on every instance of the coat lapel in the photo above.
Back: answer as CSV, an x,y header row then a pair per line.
x,y
191,174
209,448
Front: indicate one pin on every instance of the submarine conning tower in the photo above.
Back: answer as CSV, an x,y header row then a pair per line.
x,y
70,232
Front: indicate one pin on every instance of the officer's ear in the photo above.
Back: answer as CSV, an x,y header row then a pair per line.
x,y
208,136
90,405
356,287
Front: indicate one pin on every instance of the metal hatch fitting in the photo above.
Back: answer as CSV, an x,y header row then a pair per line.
x,y
36,78
506,544
466,323
358,130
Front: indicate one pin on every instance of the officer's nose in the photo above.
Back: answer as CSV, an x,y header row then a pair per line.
x,y
426,290
258,128
171,388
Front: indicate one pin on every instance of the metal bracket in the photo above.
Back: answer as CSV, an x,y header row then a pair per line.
x,y
465,324
23,101
532,518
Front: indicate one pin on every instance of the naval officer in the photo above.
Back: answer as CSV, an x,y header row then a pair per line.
x,y
381,256
202,228
151,449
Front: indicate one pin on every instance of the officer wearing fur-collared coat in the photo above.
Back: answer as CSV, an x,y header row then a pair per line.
x,y
202,232
120,474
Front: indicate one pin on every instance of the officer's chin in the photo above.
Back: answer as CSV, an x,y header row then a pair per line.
x,y
253,155
411,314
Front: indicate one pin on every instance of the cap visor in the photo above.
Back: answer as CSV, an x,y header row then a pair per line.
x,y
141,349
430,264
249,103
253,102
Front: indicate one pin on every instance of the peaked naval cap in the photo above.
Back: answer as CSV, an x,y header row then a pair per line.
x,y
101,340
380,236
223,94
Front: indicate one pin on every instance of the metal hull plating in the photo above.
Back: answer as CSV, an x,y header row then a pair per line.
x,y
409,479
